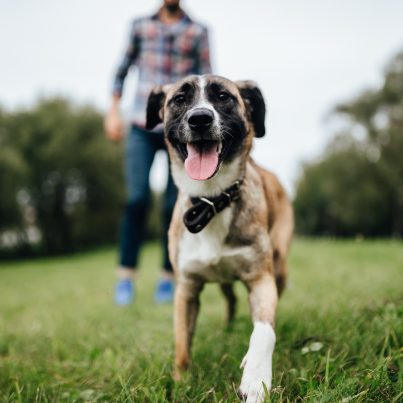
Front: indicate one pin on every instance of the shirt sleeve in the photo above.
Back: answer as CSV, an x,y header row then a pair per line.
x,y
203,63
129,58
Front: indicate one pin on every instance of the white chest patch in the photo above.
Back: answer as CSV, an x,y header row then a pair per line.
x,y
206,253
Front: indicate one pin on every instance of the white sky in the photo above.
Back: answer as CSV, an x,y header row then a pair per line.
x,y
305,55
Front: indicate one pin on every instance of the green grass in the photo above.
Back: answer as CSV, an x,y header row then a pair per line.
x,y
62,338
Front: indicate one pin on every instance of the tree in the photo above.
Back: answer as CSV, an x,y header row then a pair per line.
x,y
60,168
357,186
12,171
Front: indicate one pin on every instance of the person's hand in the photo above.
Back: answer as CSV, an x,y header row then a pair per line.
x,y
113,124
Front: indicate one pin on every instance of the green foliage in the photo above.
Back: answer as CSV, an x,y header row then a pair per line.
x,y
59,173
73,344
12,171
357,186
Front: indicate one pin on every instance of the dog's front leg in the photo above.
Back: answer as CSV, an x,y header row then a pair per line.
x,y
186,309
257,362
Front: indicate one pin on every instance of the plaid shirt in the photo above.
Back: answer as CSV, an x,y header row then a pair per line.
x,y
163,54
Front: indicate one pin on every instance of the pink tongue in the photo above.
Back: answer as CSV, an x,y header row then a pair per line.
x,y
201,162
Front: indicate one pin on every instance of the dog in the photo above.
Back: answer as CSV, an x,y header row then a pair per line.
x,y
232,219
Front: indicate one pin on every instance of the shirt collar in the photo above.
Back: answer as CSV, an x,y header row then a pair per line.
x,y
185,17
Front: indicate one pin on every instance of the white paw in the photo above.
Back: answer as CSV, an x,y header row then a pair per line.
x,y
257,364
255,374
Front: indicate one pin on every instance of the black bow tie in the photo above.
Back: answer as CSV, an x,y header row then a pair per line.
x,y
205,208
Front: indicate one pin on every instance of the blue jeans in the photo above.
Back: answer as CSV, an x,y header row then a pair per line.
x,y
141,147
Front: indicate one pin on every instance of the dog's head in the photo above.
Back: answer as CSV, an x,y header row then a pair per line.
x,y
209,125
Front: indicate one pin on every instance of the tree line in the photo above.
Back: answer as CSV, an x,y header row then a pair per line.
x,y
61,181
356,186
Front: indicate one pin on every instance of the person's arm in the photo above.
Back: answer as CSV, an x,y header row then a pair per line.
x,y
113,124
204,64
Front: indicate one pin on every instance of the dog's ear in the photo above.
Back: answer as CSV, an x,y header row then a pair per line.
x,y
155,107
254,102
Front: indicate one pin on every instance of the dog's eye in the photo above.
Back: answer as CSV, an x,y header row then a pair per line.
x,y
223,96
179,99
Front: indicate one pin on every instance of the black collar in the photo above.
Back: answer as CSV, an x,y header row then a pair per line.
x,y
205,208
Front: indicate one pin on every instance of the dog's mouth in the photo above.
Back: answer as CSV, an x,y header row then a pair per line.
x,y
202,158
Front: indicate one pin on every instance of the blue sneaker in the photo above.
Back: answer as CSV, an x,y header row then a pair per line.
x,y
165,291
124,292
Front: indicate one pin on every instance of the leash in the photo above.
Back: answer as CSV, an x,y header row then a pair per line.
x,y
204,209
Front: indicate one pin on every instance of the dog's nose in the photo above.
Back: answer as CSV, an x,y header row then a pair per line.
x,y
200,119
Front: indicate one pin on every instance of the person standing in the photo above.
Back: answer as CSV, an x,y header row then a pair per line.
x,y
164,47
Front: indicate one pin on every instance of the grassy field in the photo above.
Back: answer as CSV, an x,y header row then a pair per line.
x,y
339,331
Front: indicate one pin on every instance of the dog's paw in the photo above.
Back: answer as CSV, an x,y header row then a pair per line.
x,y
244,361
180,372
254,376
257,364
